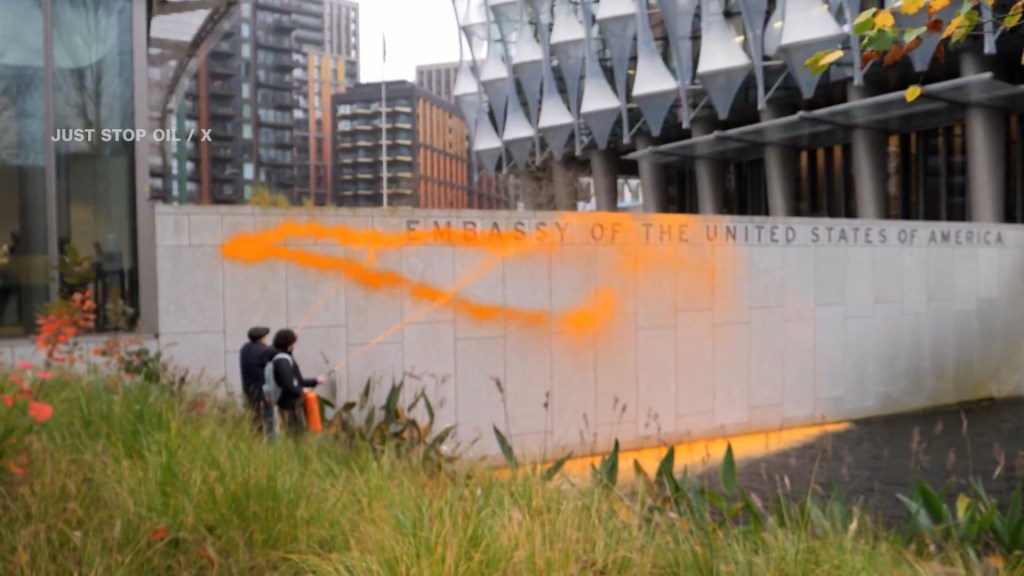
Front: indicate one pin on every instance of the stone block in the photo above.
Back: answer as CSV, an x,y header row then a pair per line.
x,y
191,288
830,352
254,295
374,314
696,278
574,389
860,285
528,378
888,274
732,374
479,404
656,381
172,230
766,282
695,355
433,266
965,278
205,230
767,350
656,286
830,275
915,280
487,287
799,283
732,284
616,371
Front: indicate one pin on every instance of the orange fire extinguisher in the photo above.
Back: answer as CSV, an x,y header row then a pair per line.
x,y
312,403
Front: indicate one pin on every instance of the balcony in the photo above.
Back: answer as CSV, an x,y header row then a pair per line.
x,y
221,67
222,111
224,171
274,41
276,60
223,131
266,21
222,88
308,7
283,6
277,99
280,81
222,151
309,22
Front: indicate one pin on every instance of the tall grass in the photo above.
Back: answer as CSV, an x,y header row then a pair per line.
x,y
137,481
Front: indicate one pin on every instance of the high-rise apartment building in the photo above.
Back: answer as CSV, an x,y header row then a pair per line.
x,y
438,78
265,89
426,148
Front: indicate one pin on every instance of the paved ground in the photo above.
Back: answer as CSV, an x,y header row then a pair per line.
x,y
876,459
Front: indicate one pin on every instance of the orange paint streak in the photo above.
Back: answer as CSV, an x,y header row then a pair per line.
x,y
618,234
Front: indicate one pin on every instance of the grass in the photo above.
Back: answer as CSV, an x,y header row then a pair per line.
x,y
136,481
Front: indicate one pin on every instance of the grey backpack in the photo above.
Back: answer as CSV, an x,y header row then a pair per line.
x,y
271,389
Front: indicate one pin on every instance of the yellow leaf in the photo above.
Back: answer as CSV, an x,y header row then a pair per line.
x,y
935,5
912,93
953,24
830,57
909,7
1013,18
884,20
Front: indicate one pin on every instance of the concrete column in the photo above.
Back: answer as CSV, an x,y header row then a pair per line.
x,y
652,178
868,152
781,166
604,169
565,182
985,134
710,173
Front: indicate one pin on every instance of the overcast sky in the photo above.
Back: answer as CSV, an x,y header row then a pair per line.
x,y
418,32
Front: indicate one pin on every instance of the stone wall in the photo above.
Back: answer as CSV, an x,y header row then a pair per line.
x,y
683,326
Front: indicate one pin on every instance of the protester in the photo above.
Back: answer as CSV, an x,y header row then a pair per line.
x,y
289,378
253,360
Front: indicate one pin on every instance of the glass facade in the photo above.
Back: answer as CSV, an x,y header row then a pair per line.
x,y
67,175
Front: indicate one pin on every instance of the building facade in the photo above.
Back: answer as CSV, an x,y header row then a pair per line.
x,y
263,87
427,165
734,123
438,78
69,77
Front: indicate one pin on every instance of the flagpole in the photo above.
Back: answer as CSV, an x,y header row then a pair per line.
x,y
384,117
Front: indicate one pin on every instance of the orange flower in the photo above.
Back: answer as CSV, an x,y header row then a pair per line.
x,y
8,400
23,366
159,534
44,375
15,469
40,412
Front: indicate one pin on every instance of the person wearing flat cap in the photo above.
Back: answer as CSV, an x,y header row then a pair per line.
x,y
253,359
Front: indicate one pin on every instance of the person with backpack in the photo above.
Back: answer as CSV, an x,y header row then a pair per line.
x,y
285,383
253,359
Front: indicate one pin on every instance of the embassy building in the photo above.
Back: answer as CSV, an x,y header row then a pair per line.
x,y
709,104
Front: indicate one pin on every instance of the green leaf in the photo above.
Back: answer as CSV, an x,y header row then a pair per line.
x,y
364,396
430,410
879,41
555,468
728,472
443,435
910,33
665,475
506,449
608,473
391,404
933,505
917,514
1013,18
865,21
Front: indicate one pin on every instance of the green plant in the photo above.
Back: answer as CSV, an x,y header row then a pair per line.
x,y
263,197
74,271
512,462
396,429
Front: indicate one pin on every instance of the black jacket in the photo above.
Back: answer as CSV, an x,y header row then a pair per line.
x,y
253,360
289,377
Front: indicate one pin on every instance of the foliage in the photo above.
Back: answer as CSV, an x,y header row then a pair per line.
x,y
396,430
58,323
881,39
976,525
131,480
263,197
74,271
20,414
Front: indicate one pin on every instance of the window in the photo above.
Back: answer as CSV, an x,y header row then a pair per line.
x,y
245,29
247,171
246,50
247,131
